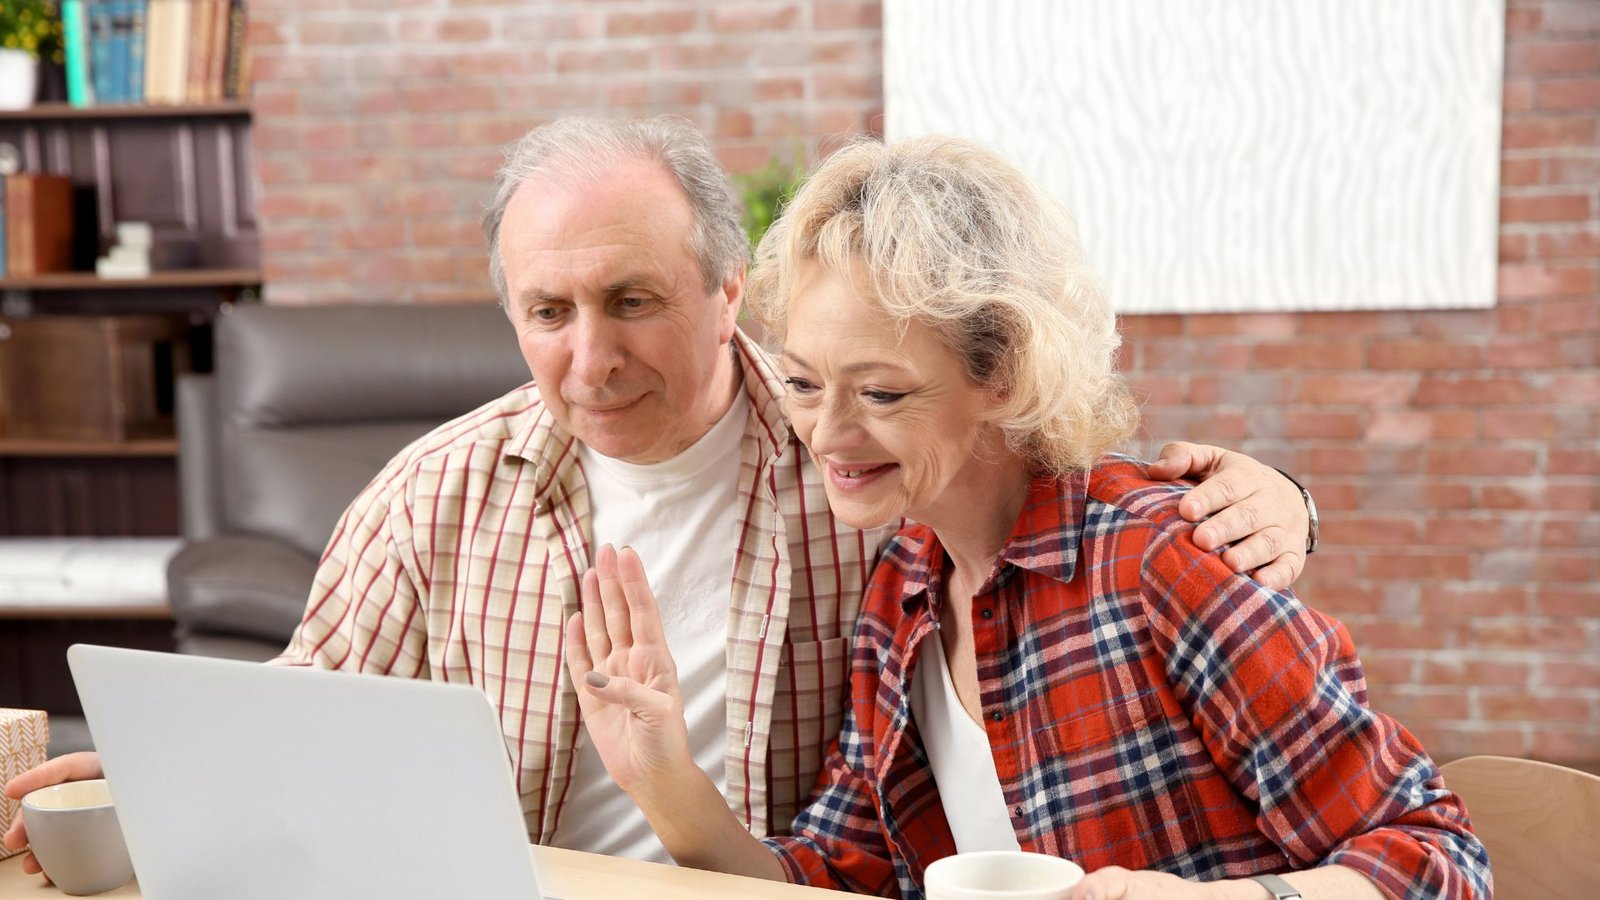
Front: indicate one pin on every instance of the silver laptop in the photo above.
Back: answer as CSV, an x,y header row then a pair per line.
x,y
245,781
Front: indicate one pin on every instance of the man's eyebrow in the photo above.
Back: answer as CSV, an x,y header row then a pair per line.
x,y
535,296
628,283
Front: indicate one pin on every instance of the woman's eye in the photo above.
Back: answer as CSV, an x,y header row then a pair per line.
x,y
799,385
882,398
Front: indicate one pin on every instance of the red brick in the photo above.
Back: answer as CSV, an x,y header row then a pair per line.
x,y
1481,460
1155,390
1307,355
1568,603
1150,326
1419,566
651,23
1472,390
1562,207
1569,93
1581,388
523,26
1580,169
1518,424
760,17
1581,461
1583,532
1569,674
1407,635
1370,530
1514,248
1451,741
1423,355
1442,531
1456,601
1496,634
1571,17
1552,57
1521,172
1409,426
1475,672
1575,243
863,14
1524,21
1548,707
1525,281
1548,131
1370,390
610,60
1567,316
1387,669
1325,425
1411,704
1343,324
1271,325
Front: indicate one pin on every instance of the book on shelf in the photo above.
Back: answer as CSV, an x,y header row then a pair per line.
x,y
75,45
38,214
155,51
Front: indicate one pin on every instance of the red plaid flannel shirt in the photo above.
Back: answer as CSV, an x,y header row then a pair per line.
x,y
1146,707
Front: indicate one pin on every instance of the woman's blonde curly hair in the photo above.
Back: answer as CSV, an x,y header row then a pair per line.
x,y
946,232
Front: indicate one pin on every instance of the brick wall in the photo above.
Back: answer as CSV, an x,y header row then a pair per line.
x,y
1456,455
379,123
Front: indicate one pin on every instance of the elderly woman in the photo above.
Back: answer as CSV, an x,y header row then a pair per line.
x,y
1046,661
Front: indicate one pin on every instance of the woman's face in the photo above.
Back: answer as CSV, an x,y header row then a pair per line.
x,y
888,413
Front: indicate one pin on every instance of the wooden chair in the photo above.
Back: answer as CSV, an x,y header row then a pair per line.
x,y
1540,823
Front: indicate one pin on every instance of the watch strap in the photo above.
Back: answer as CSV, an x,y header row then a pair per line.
x,y
1281,890
1312,531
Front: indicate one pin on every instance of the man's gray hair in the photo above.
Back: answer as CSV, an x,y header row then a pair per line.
x,y
579,148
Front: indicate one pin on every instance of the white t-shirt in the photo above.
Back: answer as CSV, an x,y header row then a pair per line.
x,y
960,756
681,516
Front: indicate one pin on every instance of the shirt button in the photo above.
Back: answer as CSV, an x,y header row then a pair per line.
x,y
1016,811
987,613
997,716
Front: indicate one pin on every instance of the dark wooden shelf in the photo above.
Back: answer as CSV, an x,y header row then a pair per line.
x,y
78,281
27,447
42,111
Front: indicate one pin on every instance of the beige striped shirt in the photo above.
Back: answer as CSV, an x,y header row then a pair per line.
x,y
461,561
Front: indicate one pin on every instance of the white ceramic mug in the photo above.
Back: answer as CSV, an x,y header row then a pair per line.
x,y
1001,875
73,832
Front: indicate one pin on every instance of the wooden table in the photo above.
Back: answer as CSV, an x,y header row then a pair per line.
x,y
563,874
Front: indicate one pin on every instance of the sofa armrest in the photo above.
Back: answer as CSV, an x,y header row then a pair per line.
x,y
242,586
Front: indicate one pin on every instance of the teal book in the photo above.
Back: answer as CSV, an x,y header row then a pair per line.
x,y
137,10
75,43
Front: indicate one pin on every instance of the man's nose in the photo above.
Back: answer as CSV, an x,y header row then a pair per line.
x,y
597,350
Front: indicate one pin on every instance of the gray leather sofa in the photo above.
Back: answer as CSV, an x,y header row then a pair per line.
x,y
306,405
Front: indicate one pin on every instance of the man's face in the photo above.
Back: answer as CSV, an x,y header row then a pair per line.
x,y
610,308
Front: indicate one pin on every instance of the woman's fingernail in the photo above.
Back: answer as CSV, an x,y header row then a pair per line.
x,y
596,680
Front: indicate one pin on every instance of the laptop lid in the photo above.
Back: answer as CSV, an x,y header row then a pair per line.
x,y
246,781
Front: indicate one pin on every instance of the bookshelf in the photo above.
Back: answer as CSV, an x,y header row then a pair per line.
x,y
48,111
186,170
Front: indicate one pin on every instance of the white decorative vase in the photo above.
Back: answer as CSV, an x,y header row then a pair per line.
x,y
19,79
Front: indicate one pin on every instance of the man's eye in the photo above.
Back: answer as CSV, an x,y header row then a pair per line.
x,y
633,304
545,314
800,385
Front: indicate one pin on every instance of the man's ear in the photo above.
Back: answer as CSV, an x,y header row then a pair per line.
x,y
733,298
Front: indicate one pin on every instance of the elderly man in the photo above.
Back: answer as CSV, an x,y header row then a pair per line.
x,y
651,421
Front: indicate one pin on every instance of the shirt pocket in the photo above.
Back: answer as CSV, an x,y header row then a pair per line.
x,y
1096,727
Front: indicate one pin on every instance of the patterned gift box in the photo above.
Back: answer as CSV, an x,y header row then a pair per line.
x,y
24,734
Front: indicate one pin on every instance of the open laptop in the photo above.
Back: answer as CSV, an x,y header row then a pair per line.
x,y
246,781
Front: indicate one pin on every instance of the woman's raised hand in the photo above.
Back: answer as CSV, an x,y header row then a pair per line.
x,y
626,681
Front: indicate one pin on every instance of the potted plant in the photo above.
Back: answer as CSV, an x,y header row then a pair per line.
x,y
30,30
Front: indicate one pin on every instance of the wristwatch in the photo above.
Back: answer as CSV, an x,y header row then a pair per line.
x,y
1280,889
1311,513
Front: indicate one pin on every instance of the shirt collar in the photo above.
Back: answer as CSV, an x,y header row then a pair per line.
x,y
1045,539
